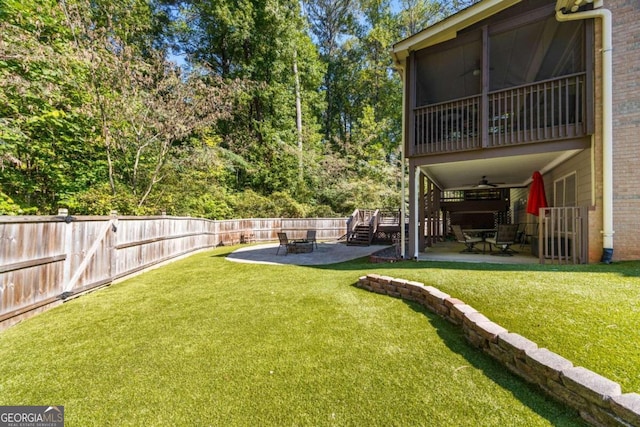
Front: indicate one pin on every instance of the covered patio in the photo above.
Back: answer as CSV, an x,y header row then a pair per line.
x,y
335,252
449,251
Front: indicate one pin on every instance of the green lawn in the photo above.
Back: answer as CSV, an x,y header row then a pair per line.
x,y
205,341
589,314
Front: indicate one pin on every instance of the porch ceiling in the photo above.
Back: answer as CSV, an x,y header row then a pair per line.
x,y
507,172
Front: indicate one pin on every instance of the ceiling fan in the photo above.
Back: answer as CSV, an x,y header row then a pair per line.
x,y
484,183
476,70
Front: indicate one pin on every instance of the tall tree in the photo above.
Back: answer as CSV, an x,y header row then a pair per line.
x,y
258,41
144,105
416,15
331,22
93,115
87,99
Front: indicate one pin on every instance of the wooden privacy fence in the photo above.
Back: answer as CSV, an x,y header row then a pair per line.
x,y
47,259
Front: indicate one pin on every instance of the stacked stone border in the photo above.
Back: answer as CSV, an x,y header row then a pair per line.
x,y
598,400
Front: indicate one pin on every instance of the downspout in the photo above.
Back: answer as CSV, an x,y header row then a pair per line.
x,y
607,121
403,209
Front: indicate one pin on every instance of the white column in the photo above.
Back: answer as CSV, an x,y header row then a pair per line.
x,y
416,212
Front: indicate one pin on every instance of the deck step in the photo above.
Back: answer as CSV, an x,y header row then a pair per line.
x,y
360,236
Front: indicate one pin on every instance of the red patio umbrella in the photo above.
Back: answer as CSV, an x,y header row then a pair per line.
x,y
537,198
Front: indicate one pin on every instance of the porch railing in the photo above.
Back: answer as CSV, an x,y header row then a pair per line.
x,y
448,126
359,217
537,112
562,235
389,217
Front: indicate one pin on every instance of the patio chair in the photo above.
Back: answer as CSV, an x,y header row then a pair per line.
x,y
530,230
284,243
469,242
311,237
504,238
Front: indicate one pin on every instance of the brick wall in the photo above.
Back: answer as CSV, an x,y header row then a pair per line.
x,y
626,126
599,400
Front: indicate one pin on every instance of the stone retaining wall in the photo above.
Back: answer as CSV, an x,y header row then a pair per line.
x,y
599,400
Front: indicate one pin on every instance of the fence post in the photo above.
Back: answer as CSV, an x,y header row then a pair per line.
x,y
67,247
113,243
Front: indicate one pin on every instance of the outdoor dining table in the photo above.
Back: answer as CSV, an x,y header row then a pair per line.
x,y
481,232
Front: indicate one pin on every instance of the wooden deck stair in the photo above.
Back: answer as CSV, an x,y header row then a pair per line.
x,y
360,236
366,226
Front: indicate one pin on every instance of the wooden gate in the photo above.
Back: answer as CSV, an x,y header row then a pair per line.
x,y
562,236
47,259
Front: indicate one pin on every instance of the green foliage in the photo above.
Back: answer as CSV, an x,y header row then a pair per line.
x,y
45,134
210,206
9,207
100,200
346,196
93,116
250,204
287,207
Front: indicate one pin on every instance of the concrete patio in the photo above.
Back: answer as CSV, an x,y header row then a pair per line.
x,y
334,252
326,253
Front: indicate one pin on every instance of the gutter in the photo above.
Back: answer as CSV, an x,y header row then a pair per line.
x,y
607,120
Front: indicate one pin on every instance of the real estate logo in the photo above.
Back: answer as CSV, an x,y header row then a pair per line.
x,y
31,416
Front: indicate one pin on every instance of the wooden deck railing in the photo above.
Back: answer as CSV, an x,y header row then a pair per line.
x,y
543,111
448,126
537,112
389,217
359,217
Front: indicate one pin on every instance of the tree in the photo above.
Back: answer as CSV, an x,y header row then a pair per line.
x,y
259,42
268,105
144,104
330,22
45,149
87,99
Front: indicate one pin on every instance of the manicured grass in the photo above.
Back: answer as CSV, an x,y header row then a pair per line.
x,y
205,341
587,314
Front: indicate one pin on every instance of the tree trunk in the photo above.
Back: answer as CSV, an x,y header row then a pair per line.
x,y
298,113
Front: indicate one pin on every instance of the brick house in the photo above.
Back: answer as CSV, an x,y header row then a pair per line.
x,y
506,88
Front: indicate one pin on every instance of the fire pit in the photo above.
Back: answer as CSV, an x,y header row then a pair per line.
x,y
300,247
